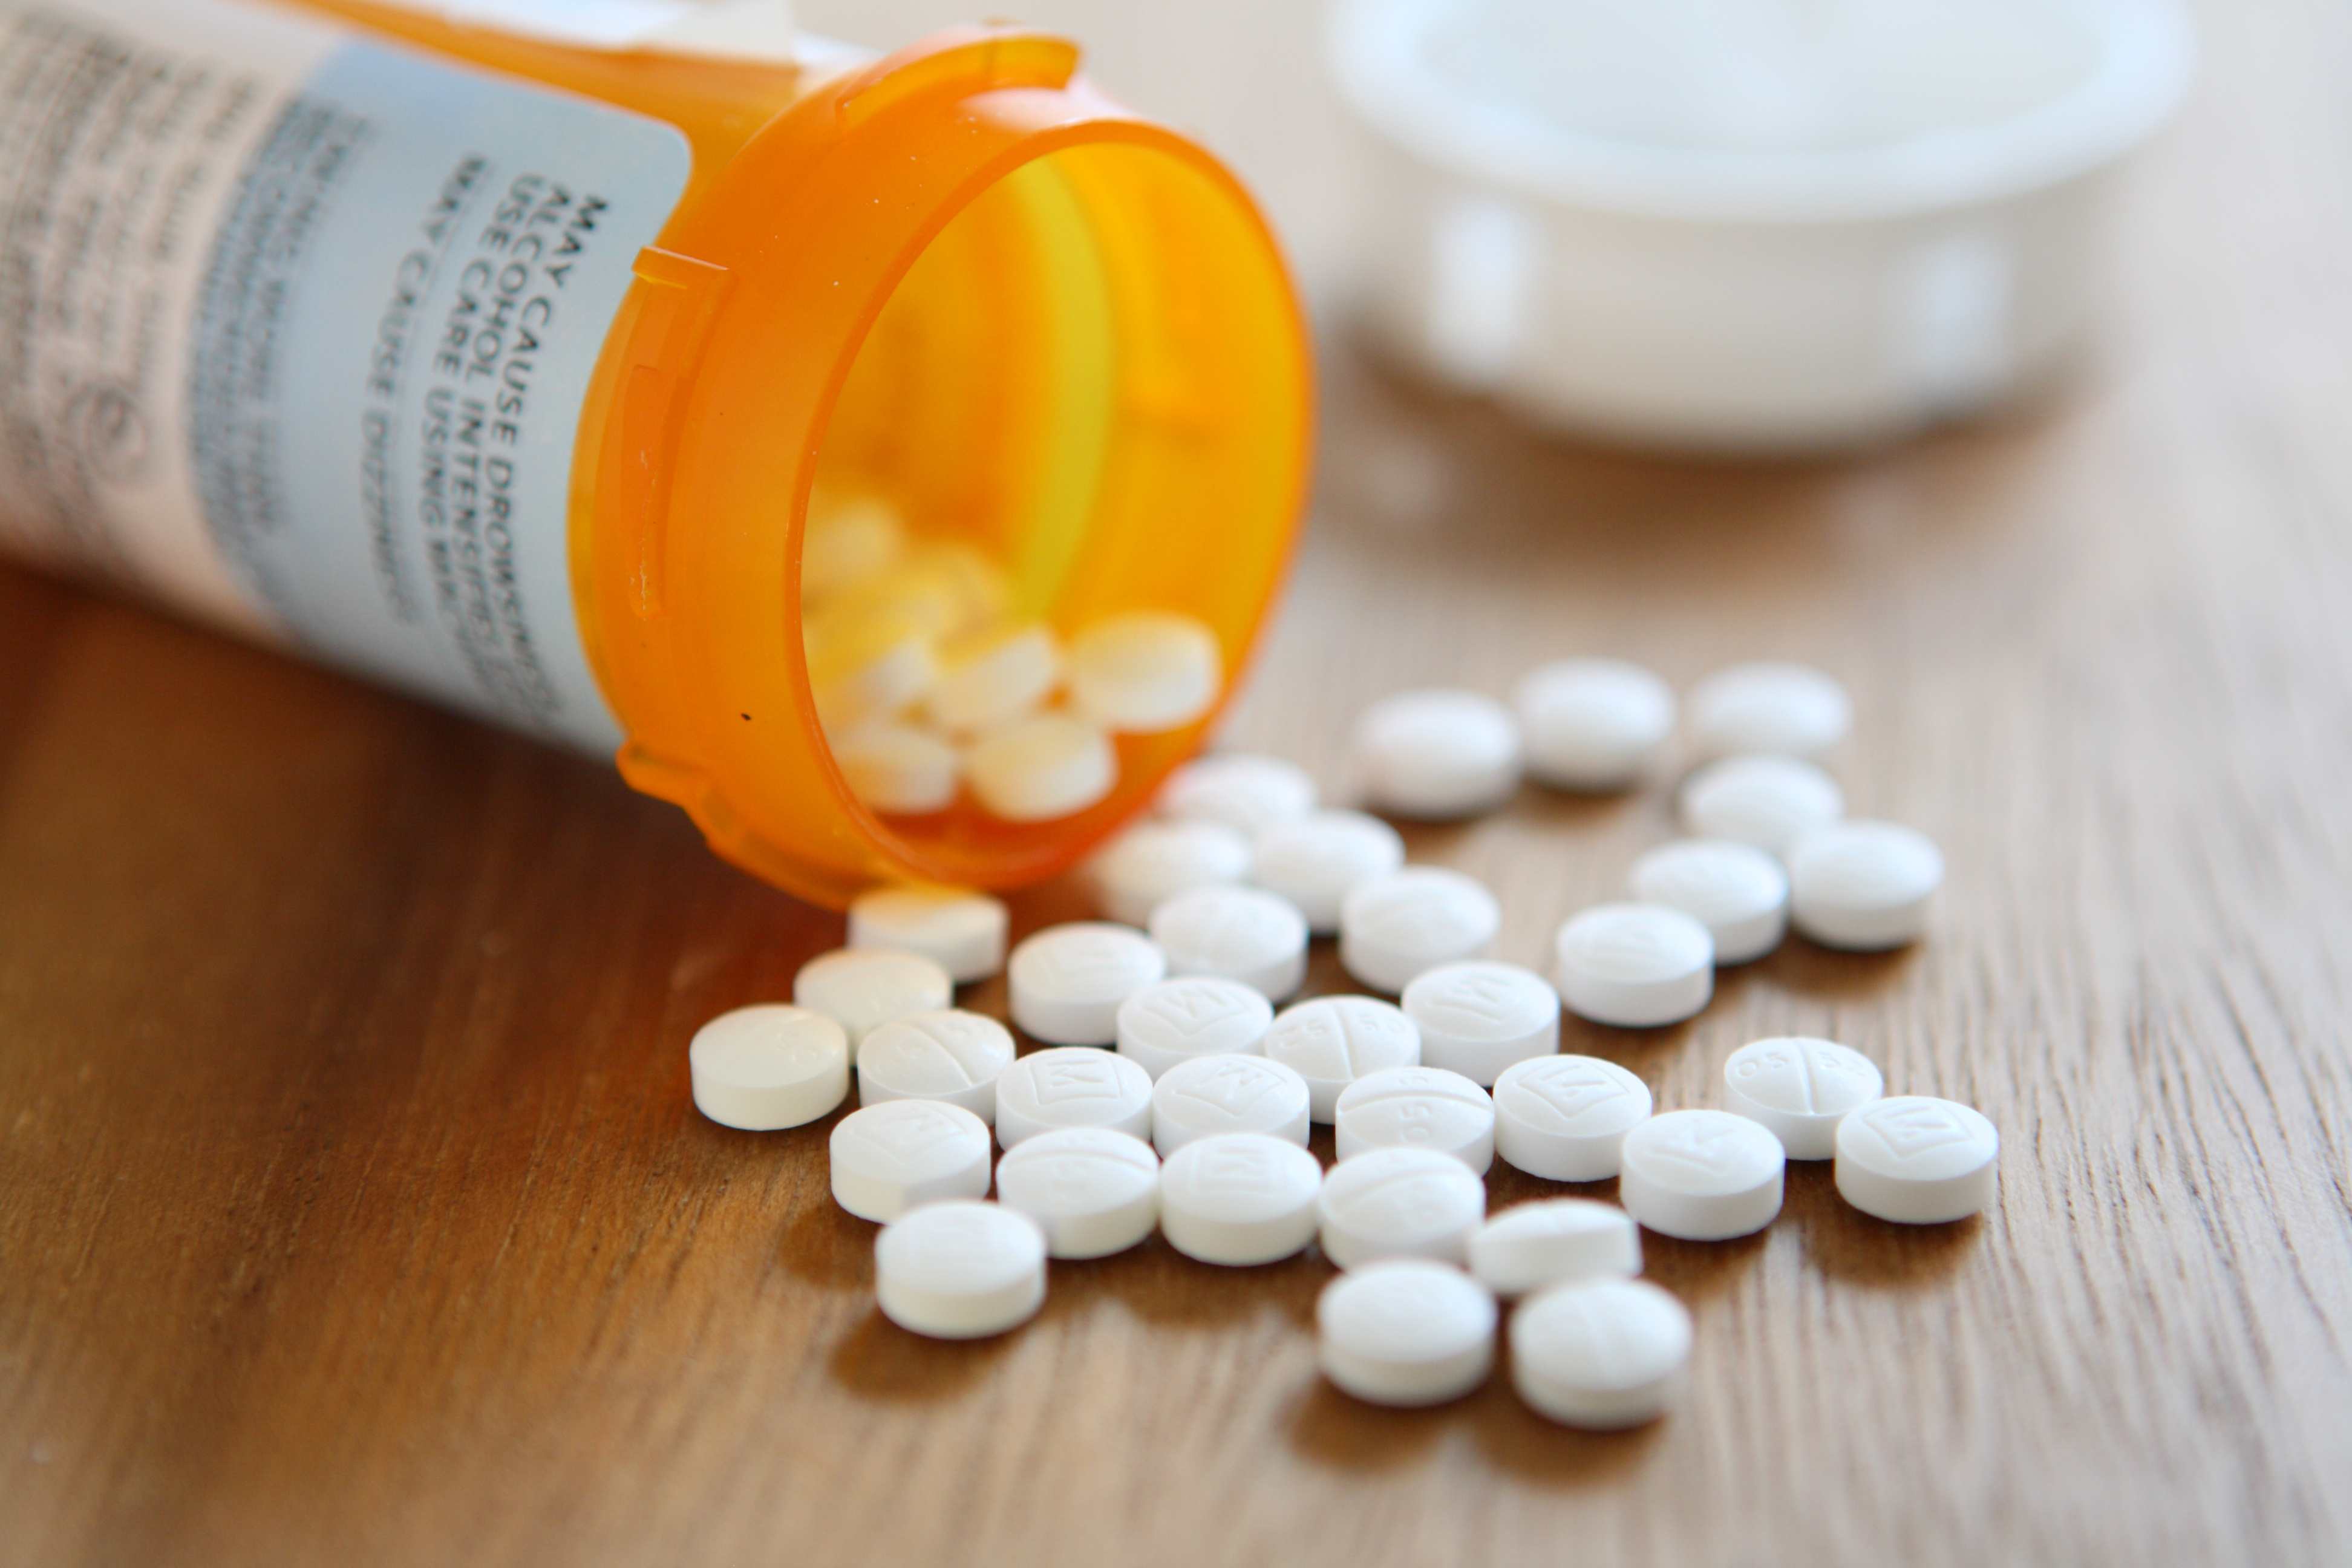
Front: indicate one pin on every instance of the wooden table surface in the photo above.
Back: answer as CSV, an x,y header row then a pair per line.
x,y
352,1208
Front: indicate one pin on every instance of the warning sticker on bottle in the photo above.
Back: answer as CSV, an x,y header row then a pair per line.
x,y
296,330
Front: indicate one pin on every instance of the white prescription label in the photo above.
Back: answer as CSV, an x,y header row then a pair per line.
x,y
295,332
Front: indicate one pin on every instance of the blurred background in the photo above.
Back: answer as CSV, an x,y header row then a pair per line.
x,y
1755,226
1245,75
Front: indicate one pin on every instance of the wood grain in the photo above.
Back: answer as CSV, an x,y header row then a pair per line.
x,y
352,1208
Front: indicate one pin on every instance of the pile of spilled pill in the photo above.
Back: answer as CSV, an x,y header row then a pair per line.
x,y
1194,1121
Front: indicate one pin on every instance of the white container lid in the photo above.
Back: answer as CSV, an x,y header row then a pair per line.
x,y
1559,100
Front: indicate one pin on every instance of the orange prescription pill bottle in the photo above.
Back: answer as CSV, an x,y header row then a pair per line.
x,y
501,354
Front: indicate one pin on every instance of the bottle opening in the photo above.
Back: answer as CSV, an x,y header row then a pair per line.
x,y
953,367
1054,499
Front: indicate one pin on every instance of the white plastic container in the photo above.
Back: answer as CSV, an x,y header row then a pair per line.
x,y
1748,225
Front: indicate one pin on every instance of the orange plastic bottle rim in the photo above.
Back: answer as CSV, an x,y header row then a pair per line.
x,y
717,386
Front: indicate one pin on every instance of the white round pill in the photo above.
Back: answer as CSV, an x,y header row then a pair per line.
x,y
1525,1249
1416,1108
949,1056
1736,890
858,987
1239,790
1209,1095
1400,1203
1198,1016
876,689
1477,1018
1799,1089
1603,1354
849,541
1768,802
1862,886
1593,724
1916,1160
1701,1175
1565,1118
1786,709
768,1067
1233,934
962,932
1154,860
897,769
1333,1041
995,678
1437,754
1093,1191
1394,927
1239,1198
960,1270
1067,982
1635,966
899,1155
1405,1334
1072,1086
1037,769
1317,861
1144,672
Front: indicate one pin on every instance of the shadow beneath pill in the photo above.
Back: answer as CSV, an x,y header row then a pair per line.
x,y
1340,1432
1077,1288
1533,1449
1854,1248
824,1244
1570,812
1324,976
1064,899
1643,1052
1152,1281
988,997
791,1173
1507,1185
1162,1286
879,1360
1431,842
1695,1270
1809,969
